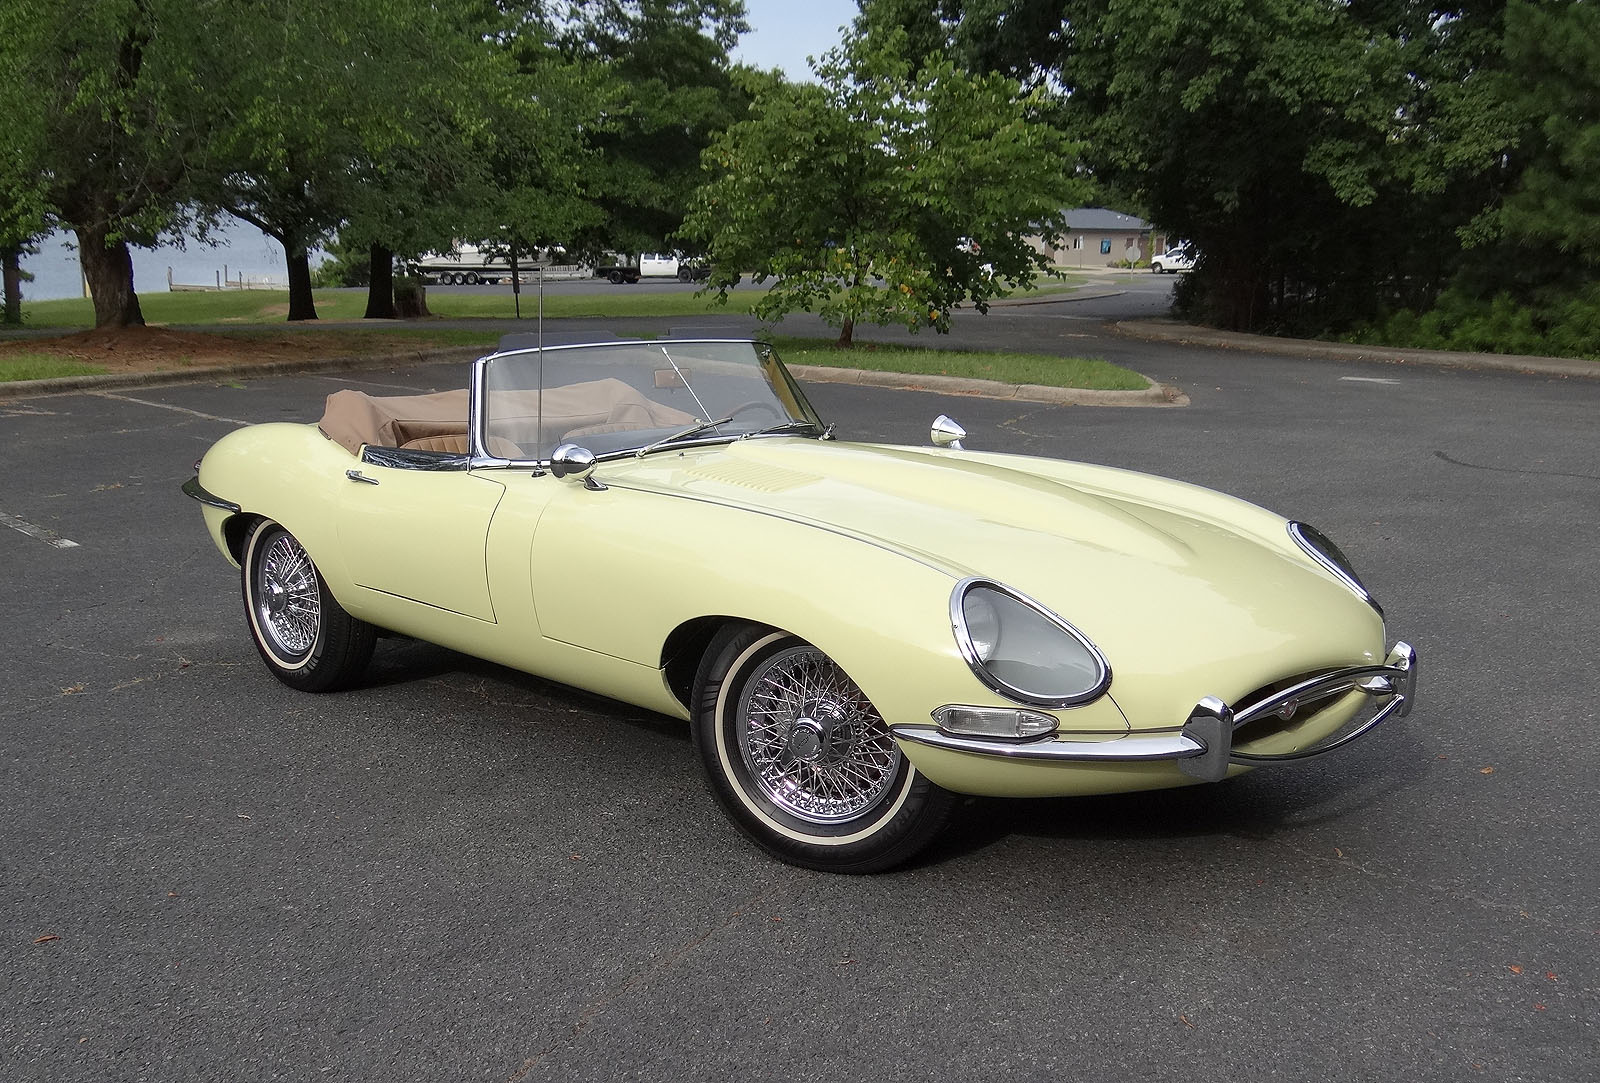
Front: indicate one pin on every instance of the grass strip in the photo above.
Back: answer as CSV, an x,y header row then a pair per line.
x,y
1012,368
42,367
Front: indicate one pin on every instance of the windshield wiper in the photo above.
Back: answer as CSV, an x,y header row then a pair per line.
x,y
785,426
693,430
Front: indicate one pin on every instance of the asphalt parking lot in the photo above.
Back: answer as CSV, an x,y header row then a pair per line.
x,y
461,872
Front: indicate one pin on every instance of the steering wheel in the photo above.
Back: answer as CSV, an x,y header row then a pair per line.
x,y
756,404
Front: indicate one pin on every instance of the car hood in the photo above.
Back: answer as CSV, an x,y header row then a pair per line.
x,y
1186,592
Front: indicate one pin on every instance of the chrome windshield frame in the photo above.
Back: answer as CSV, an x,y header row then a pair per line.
x,y
477,399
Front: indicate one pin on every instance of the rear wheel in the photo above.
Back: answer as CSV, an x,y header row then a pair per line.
x,y
472,278
304,635
803,762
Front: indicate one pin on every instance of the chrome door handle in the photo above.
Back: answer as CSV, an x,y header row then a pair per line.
x,y
356,475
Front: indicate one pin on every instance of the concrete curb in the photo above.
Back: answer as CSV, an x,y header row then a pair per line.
x,y
113,381
1154,395
1192,335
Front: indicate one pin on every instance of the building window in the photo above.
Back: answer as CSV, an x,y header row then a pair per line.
x,y
1105,246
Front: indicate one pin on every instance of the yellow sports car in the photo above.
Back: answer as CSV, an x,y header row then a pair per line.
x,y
855,632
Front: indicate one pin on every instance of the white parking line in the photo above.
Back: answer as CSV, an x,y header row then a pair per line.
x,y
49,537
169,406
1368,380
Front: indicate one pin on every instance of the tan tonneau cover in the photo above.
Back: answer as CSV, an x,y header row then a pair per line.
x,y
353,418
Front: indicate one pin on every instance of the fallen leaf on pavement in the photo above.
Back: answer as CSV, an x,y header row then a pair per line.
x,y
46,938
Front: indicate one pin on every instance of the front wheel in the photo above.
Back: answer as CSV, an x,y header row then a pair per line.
x,y
803,762
304,635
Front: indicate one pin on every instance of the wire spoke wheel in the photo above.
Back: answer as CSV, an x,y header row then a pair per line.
x,y
288,598
801,759
304,635
811,740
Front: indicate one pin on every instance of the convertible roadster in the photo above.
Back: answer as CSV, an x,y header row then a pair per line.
x,y
855,633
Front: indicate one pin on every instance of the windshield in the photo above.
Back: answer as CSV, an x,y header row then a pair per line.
x,y
637,397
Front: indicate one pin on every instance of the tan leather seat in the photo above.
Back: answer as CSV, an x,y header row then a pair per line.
x,y
456,444
452,444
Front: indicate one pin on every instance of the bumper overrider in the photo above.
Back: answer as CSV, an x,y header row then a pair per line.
x,y
1204,747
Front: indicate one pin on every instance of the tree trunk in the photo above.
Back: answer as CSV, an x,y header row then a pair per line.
x,y
380,289
302,306
11,273
846,333
108,267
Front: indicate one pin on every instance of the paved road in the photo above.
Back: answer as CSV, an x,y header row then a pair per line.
x,y
458,872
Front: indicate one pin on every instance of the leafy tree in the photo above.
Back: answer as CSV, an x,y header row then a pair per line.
x,y
99,100
433,184
333,110
671,89
536,155
1554,87
1527,281
1322,155
891,191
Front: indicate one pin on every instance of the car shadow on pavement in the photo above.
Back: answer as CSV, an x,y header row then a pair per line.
x,y
1263,804
401,660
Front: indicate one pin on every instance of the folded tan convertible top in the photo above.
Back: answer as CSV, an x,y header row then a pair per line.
x,y
353,418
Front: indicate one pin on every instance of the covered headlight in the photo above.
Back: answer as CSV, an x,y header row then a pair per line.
x,y
1022,650
1321,549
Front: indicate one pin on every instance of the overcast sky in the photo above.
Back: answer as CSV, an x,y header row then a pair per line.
x,y
784,32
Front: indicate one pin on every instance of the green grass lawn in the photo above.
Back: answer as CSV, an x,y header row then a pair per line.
x,y
260,314
245,307
1011,368
40,367
271,306
1049,287
359,340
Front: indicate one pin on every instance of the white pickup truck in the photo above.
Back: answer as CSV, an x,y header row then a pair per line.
x,y
648,265
1178,258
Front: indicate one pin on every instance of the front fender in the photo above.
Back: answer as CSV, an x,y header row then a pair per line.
x,y
284,472
602,583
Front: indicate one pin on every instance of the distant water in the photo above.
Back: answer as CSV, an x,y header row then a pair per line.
x,y
244,249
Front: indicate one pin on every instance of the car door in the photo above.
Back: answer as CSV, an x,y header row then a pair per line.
x,y
419,534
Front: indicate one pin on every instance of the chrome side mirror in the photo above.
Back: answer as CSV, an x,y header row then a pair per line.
x,y
575,463
946,433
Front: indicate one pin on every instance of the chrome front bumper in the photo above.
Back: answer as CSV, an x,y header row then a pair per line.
x,y
195,491
1204,749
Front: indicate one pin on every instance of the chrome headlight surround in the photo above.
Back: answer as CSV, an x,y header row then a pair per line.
x,y
1321,549
977,652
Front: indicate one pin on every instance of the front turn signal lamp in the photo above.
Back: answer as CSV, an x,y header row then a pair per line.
x,y
1009,723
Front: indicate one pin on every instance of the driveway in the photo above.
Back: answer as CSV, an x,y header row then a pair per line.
x,y
460,872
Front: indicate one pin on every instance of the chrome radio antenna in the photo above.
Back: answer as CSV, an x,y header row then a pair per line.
x,y
539,429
